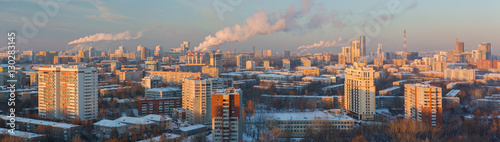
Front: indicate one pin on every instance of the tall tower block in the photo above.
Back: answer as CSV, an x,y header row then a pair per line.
x,y
405,54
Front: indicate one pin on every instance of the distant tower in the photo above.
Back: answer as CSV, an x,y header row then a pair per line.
x,y
363,45
405,54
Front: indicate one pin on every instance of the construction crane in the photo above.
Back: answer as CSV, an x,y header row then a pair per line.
x,y
456,39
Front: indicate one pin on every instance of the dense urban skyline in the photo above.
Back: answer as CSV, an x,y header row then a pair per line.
x,y
430,25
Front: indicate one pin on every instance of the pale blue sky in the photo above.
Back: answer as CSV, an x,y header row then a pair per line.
x,y
430,25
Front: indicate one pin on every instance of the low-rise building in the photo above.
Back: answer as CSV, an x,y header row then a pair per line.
x,y
54,130
106,127
161,121
296,124
166,105
163,92
492,101
451,98
391,91
21,135
136,123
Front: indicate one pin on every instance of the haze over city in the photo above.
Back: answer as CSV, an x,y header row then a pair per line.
x,y
249,71
430,24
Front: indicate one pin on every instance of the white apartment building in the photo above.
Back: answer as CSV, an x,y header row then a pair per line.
x,y
67,92
196,100
359,92
459,74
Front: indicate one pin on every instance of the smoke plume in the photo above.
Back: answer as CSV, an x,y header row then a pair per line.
x,y
258,24
261,23
323,44
127,35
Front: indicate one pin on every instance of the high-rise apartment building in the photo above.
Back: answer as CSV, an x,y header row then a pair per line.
x,y
353,53
196,100
286,53
227,115
459,47
359,92
67,92
266,64
362,45
485,50
250,65
267,53
216,60
286,64
305,62
423,102
241,61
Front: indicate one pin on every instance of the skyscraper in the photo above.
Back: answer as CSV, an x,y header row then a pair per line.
x,y
241,61
459,47
485,50
67,92
227,115
423,102
196,100
359,92
286,64
362,45
216,60
286,53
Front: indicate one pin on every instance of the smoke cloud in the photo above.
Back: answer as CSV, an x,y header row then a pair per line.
x,y
262,23
322,44
127,35
258,24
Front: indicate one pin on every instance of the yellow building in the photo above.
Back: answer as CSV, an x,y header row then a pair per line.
x,y
359,92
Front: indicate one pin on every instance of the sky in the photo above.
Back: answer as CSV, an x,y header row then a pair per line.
x,y
241,24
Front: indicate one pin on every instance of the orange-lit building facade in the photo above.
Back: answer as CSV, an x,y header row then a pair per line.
x,y
227,115
67,92
423,102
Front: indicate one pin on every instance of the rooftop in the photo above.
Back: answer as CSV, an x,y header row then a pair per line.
x,y
109,123
315,115
133,120
41,122
17,133
155,117
192,127
453,93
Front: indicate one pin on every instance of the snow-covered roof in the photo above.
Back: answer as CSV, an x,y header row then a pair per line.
x,y
453,93
168,136
390,88
164,89
17,133
134,120
315,115
192,127
41,122
156,117
109,123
